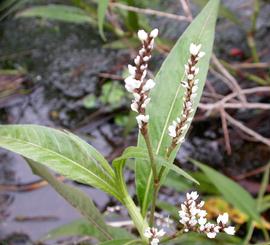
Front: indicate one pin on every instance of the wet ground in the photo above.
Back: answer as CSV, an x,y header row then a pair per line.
x,y
58,65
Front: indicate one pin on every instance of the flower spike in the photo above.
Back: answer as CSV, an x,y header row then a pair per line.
x,y
136,82
193,218
154,234
177,128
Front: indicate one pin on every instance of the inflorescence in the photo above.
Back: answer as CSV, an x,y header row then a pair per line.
x,y
180,125
193,218
154,234
136,82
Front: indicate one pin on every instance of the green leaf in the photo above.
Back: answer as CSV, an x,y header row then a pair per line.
x,y
63,152
142,154
232,192
82,227
122,242
179,184
77,199
166,97
102,8
57,12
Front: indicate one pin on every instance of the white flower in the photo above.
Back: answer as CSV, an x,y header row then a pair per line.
x,y
142,119
149,85
196,81
211,235
137,97
141,51
194,49
185,84
155,241
142,35
223,218
201,54
154,33
196,71
134,106
154,234
130,81
190,76
230,230
180,140
137,60
131,70
161,233
202,213
145,103
202,221
193,195
146,58
172,131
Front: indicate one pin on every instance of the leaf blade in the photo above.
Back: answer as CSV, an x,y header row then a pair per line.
x,y
57,150
102,7
57,12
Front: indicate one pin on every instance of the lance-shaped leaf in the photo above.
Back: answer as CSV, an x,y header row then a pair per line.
x,y
57,12
63,152
166,97
102,8
77,199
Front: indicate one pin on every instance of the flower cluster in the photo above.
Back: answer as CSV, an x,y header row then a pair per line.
x,y
193,218
180,125
154,234
136,82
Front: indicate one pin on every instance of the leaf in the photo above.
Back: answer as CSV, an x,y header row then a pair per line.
x,y
77,199
63,152
166,97
121,242
102,7
179,184
57,12
232,192
82,227
139,153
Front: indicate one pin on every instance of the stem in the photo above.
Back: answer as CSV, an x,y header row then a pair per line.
x,y
136,217
249,233
155,176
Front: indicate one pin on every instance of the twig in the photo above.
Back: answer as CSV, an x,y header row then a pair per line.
x,y
230,78
261,106
225,131
150,12
186,8
247,130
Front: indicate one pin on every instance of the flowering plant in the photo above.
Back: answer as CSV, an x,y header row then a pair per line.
x,y
165,107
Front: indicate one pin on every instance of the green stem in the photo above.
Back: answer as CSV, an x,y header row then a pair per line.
x,y
136,217
155,176
249,233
